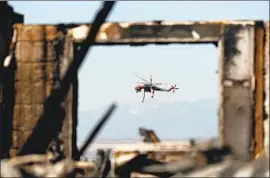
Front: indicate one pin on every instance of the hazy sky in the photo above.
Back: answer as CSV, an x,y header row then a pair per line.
x,y
107,76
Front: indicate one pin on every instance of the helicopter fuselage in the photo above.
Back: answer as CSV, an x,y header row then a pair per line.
x,y
146,88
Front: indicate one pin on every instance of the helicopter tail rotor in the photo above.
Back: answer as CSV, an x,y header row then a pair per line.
x,y
174,88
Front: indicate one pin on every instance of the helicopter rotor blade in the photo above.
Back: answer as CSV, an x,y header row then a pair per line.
x,y
160,83
142,83
152,83
141,78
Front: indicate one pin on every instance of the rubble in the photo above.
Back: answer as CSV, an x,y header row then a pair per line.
x,y
218,162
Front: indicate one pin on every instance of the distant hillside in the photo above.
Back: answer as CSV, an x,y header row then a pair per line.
x,y
178,120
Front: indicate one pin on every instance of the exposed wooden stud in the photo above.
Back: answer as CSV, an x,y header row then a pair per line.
x,y
266,88
259,90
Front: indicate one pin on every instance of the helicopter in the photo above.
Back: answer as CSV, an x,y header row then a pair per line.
x,y
149,87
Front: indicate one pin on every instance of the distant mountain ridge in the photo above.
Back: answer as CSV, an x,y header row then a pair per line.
x,y
177,120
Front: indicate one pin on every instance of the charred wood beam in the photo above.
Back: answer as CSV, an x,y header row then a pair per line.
x,y
155,32
52,117
103,163
259,89
200,159
266,89
137,164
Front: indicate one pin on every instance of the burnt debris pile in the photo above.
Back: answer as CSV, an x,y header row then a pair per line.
x,y
199,160
42,155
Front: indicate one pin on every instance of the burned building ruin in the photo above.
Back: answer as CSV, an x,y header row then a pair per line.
x,y
35,59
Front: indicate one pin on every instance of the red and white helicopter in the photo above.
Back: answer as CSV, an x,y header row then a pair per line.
x,y
150,87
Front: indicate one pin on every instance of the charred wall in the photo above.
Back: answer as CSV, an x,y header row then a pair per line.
x,y
42,54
